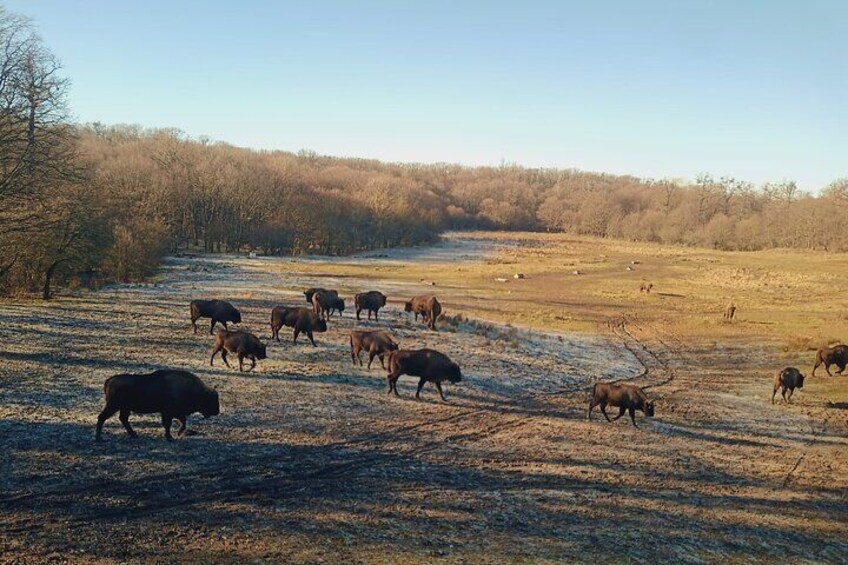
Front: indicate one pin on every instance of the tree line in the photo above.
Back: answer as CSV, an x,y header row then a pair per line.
x,y
96,202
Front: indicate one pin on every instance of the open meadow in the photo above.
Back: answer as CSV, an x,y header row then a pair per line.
x,y
311,461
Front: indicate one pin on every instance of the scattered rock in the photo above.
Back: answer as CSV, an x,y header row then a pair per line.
x,y
518,276
576,273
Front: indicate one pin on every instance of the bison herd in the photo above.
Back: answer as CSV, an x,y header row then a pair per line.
x,y
178,394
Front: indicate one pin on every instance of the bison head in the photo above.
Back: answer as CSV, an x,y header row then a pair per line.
x,y
801,381
320,325
339,304
209,404
261,351
453,373
392,346
649,409
407,306
235,316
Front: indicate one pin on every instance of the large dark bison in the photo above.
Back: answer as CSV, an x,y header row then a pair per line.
x,y
376,342
627,398
828,356
174,394
218,310
427,364
372,301
428,306
243,344
303,320
324,303
309,293
788,379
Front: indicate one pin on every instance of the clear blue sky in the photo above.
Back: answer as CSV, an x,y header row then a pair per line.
x,y
752,89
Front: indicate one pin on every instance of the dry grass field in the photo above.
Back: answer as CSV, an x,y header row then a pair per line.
x,y
311,461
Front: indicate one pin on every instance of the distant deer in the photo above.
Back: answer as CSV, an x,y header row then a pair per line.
x,y
730,311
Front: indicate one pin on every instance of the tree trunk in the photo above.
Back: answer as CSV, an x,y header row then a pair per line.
x,y
45,295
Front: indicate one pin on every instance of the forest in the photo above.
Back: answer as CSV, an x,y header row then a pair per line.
x,y
85,204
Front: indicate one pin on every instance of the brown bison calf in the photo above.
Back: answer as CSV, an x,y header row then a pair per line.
x,y
627,398
376,342
324,303
303,320
828,356
173,394
309,293
372,301
427,364
243,344
789,379
428,306
218,310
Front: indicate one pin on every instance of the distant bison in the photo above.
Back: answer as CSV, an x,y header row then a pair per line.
x,y
372,301
324,303
730,312
427,364
218,310
646,287
376,342
243,344
428,306
828,356
309,293
303,320
174,394
788,379
627,398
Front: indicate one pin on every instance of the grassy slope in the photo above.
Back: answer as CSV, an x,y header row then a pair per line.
x,y
790,301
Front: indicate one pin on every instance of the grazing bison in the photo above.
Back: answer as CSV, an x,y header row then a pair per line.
x,y
828,356
324,303
427,364
243,344
376,342
789,379
646,287
428,306
628,398
311,292
174,394
372,301
218,310
303,320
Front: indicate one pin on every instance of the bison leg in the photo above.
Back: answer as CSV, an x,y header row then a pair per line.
x,y
392,378
371,355
376,315
592,404
107,413
296,333
827,368
214,353
841,368
194,323
241,362
382,361
252,363
604,411
621,412
311,338
358,310
182,420
421,383
774,393
632,415
439,388
212,327
783,393
166,423
224,357
789,398
125,420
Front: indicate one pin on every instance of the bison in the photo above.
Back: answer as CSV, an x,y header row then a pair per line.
x,y
372,301
628,398
828,356
427,364
303,320
243,344
376,342
789,379
173,394
309,293
324,303
218,310
428,306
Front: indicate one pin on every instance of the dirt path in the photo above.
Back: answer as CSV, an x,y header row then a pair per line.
x,y
311,461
